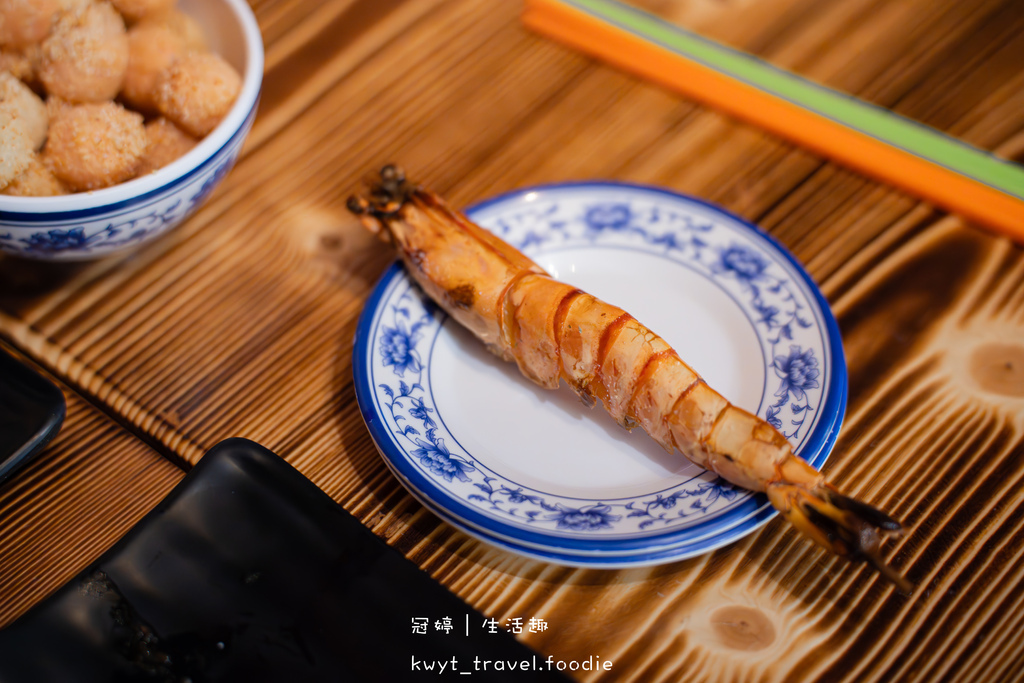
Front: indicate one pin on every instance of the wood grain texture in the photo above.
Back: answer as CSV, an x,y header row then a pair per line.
x,y
74,500
241,323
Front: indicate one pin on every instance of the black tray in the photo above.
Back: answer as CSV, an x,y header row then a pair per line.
x,y
31,411
248,572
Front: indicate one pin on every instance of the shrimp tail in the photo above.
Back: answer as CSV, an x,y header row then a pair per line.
x,y
842,525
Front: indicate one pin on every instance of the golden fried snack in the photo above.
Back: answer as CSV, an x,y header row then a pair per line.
x,y
134,10
85,57
19,63
79,55
15,148
91,146
186,27
152,48
167,142
25,107
35,181
197,91
55,106
72,5
23,22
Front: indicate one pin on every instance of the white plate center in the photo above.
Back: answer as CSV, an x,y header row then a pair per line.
x,y
547,440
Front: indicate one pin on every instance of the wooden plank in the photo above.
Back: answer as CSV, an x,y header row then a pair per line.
x,y
241,323
76,498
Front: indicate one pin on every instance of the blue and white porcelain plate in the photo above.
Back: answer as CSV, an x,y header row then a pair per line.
x,y
537,472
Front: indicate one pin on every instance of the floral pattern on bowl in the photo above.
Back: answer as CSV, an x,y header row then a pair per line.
x,y
102,230
89,225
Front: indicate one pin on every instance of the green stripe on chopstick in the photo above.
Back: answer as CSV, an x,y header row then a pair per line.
x,y
877,122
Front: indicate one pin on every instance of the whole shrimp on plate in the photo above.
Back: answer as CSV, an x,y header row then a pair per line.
x,y
554,332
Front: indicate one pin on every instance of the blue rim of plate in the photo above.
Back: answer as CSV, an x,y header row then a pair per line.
x,y
628,548
640,558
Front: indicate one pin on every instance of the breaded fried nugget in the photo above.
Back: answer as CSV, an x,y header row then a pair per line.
x,y
135,10
197,91
35,181
91,146
18,63
167,142
23,22
72,5
56,106
186,27
25,107
85,57
15,149
152,48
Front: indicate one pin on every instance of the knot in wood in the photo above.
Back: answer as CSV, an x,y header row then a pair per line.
x,y
742,628
998,368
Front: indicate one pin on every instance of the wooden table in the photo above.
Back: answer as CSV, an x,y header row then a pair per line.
x,y
241,323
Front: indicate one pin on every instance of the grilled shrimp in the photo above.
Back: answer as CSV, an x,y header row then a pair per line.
x,y
556,332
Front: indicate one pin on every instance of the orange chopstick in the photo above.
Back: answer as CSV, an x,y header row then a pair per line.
x,y
870,139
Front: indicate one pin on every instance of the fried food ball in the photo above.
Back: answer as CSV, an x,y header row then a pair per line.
x,y
167,142
35,181
55,106
152,48
25,107
23,22
79,55
134,10
72,5
18,63
85,57
186,27
197,91
91,146
15,149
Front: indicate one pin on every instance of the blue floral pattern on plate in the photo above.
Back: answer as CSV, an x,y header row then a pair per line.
x,y
804,394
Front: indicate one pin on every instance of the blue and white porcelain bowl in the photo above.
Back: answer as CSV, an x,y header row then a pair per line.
x,y
90,225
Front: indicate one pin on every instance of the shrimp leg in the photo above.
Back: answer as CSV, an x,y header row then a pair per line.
x,y
556,332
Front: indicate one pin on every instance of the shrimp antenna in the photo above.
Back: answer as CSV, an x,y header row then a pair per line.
x,y
386,195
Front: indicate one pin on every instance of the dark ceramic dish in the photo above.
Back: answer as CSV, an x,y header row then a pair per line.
x,y
249,572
